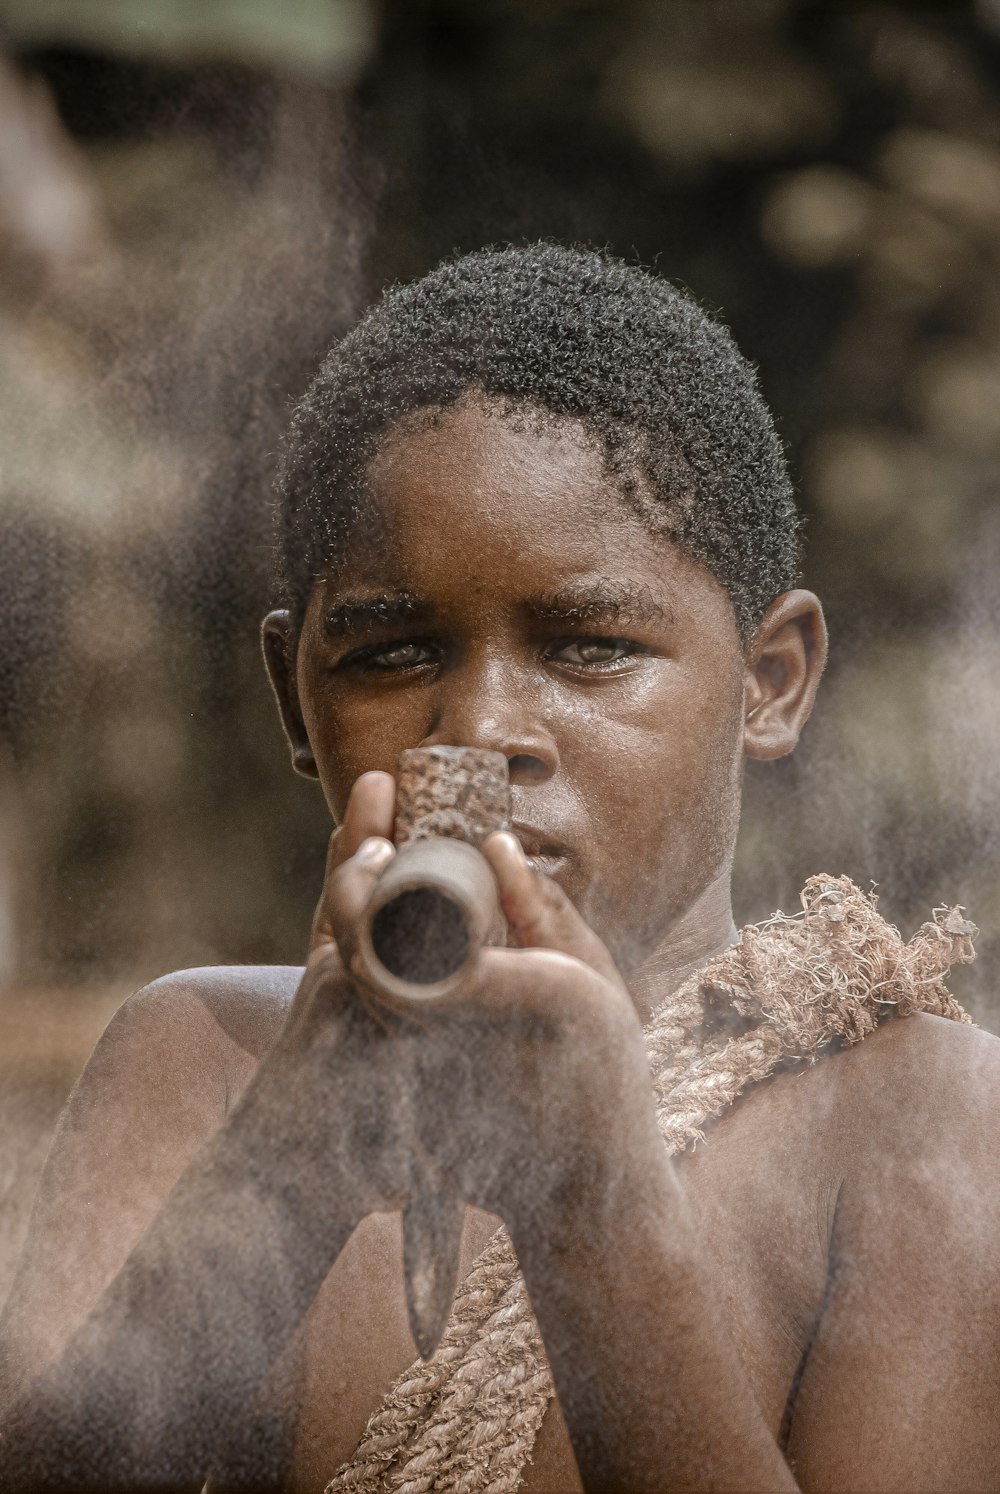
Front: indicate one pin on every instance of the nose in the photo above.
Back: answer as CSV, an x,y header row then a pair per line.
x,y
489,707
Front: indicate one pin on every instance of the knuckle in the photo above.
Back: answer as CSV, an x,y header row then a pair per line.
x,y
335,848
552,896
546,905
324,966
341,884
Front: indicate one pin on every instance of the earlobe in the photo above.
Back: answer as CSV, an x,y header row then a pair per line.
x,y
279,657
783,674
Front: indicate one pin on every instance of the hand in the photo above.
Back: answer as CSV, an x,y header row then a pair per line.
x,y
371,812
530,1099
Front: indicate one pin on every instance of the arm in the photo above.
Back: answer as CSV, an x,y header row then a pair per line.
x,y
189,1327
152,1381
649,1382
651,1387
902,1383
150,1096
901,1390
541,1081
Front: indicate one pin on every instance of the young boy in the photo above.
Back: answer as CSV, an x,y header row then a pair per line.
x,y
532,503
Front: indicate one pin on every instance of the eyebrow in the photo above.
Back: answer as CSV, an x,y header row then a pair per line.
x,y
360,614
603,599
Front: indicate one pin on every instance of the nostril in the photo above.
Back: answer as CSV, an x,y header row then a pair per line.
x,y
524,767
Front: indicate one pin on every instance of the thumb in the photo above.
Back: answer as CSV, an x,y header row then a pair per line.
x,y
539,913
371,808
346,895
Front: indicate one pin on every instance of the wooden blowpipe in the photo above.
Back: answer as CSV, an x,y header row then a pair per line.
x,y
433,909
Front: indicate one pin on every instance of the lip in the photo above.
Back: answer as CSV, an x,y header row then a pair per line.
x,y
544,853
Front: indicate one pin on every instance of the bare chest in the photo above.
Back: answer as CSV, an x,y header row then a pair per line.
x,y
765,1232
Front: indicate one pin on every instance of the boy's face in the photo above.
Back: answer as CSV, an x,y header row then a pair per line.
x,y
509,599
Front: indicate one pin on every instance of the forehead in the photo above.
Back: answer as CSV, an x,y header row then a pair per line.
x,y
490,449
475,484
478,513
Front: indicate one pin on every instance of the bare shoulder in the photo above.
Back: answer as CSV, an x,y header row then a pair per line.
x,y
199,1033
916,1080
925,1080
168,1066
239,1005
923,1040
907,1120
910,1134
916,1135
171,1062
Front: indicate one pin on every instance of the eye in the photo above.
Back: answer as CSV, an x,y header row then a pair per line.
x,y
386,657
594,653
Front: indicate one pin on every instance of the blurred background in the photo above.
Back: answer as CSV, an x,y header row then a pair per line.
x,y
194,201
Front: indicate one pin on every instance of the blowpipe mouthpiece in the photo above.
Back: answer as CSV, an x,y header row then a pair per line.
x,y
436,905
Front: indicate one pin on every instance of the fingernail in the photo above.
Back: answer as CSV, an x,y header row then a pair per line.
x,y
511,841
375,851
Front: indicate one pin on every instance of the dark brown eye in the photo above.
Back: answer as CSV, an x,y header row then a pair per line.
x,y
386,658
594,651
401,656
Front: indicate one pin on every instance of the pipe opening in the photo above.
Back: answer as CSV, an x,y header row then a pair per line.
x,y
421,936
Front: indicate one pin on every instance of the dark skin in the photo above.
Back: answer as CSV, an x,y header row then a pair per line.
x,y
809,1301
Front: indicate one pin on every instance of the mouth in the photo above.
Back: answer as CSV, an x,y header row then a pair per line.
x,y
544,854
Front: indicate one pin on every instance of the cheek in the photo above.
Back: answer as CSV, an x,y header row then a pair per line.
x,y
681,739
667,785
351,736
705,798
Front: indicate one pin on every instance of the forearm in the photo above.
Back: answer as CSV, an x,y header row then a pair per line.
x,y
649,1382
194,1320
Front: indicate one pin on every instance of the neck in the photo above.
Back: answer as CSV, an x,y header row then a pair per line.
x,y
703,930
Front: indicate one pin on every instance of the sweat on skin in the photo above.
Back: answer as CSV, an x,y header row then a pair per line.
x,y
234,1283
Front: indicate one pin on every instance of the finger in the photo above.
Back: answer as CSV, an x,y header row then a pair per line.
x,y
347,887
349,891
544,992
547,984
320,990
539,913
371,810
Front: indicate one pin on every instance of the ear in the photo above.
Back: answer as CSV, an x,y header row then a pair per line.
x,y
783,674
279,656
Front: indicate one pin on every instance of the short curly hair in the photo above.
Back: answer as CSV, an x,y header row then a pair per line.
x,y
564,333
